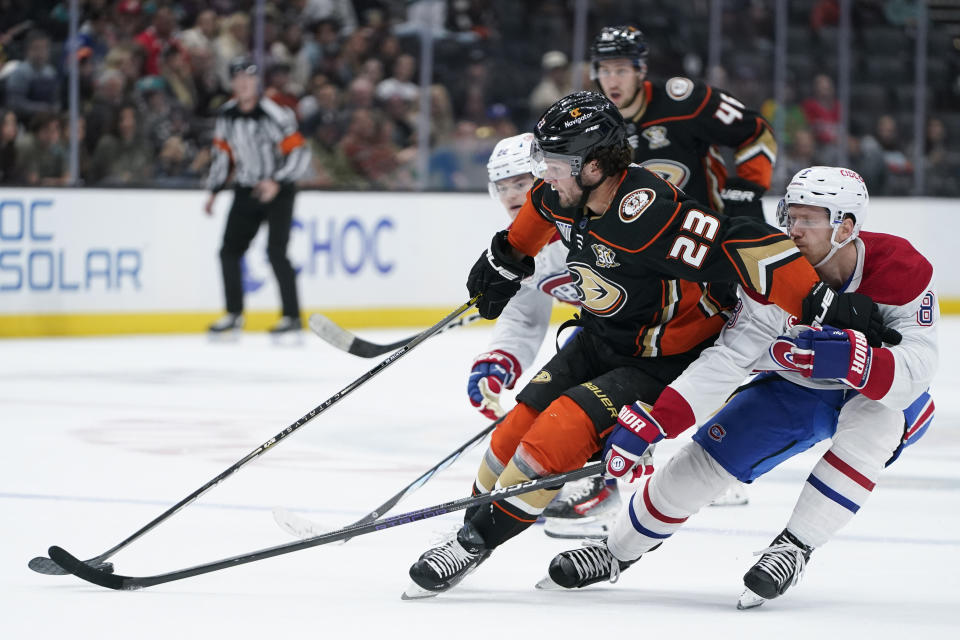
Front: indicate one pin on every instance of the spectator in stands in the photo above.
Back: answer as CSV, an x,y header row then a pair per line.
x,y
123,156
175,70
360,94
278,86
33,87
9,134
935,144
799,154
323,48
823,110
203,32
555,82
321,115
400,83
127,19
97,33
103,110
793,117
339,11
498,117
156,38
233,42
883,153
210,94
45,161
288,49
367,149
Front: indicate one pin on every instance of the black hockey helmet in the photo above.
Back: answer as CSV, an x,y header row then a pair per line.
x,y
624,41
573,127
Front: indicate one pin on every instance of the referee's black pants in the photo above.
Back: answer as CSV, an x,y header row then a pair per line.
x,y
246,215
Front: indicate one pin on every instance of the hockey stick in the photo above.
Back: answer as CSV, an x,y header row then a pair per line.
x,y
355,345
112,581
302,528
44,565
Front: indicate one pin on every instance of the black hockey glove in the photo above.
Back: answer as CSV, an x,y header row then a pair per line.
x,y
497,275
742,198
848,311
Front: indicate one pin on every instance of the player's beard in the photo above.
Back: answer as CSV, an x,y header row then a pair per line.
x,y
572,197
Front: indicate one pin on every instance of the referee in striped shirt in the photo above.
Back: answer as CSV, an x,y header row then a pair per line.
x,y
257,142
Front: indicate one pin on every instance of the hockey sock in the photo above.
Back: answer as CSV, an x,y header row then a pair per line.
x,y
836,489
561,438
689,480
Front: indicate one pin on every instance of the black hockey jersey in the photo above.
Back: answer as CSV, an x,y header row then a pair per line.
x,y
639,267
677,131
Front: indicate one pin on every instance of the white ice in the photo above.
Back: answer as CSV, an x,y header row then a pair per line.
x,y
101,435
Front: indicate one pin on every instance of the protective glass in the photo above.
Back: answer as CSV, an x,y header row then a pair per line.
x,y
804,220
553,166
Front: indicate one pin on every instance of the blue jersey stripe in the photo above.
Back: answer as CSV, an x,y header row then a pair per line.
x,y
833,495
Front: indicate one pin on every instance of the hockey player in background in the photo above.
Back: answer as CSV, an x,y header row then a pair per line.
x,y
675,127
587,507
820,383
638,251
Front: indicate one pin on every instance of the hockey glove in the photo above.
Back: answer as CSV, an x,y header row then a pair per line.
x,y
855,311
742,198
632,438
492,372
497,275
844,355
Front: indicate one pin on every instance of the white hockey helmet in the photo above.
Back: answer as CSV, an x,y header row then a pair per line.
x,y
511,157
840,191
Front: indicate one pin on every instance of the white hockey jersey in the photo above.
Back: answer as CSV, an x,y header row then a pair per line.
x,y
521,327
889,270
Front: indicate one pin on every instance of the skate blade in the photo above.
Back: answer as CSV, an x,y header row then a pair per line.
x,y
547,584
287,339
591,528
416,592
225,337
749,600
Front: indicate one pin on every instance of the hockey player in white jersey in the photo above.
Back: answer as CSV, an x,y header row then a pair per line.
x,y
584,509
819,383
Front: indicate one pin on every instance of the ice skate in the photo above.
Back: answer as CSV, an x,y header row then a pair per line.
x,y
587,565
781,566
735,495
287,331
227,328
442,568
587,510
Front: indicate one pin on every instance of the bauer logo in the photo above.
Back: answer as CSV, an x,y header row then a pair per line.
x,y
716,432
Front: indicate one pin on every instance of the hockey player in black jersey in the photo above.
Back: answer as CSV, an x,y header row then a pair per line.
x,y
675,127
638,251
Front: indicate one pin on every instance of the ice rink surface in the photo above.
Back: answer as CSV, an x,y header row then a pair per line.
x,y
103,434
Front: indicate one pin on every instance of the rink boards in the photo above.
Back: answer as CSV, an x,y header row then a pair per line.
x,y
91,261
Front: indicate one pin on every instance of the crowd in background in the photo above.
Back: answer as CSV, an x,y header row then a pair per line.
x,y
152,75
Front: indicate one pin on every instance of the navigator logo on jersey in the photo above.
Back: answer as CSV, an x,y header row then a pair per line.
x,y
635,203
606,258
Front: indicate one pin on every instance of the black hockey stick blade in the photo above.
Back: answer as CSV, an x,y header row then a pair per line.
x,y
48,567
287,521
272,442
113,581
348,341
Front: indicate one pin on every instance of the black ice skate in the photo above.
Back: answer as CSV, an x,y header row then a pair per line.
x,y
443,567
781,565
287,331
587,565
586,511
229,326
